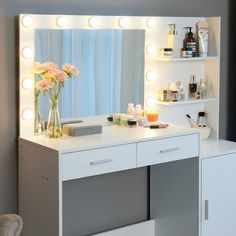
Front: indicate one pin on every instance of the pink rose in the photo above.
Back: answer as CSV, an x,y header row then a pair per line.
x,y
43,68
61,76
70,69
44,85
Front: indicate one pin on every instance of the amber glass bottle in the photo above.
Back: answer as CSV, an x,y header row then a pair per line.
x,y
190,41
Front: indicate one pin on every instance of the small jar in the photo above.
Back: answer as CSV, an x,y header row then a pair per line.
x,y
166,52
187,52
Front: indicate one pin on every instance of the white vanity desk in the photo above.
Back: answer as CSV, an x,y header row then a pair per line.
x,y
46,163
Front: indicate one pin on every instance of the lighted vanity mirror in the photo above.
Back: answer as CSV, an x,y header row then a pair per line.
x,y
111,64
110,76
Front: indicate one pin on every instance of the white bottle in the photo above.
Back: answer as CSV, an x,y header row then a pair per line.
x,y
138,112
172,40
130,111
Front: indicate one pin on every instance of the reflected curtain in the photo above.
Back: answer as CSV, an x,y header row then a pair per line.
x,y
111,64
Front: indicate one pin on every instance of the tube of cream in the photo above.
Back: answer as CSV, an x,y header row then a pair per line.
x,y
202,30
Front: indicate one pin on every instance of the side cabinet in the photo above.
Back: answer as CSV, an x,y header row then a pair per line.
x,y
219,195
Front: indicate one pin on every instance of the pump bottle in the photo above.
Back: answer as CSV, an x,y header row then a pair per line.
x,y
190,41
172,40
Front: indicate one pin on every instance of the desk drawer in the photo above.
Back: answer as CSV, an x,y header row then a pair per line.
x,y
165,150
98,161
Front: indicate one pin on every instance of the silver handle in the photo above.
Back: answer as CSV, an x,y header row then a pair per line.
x,y
100,162
169,150
206,209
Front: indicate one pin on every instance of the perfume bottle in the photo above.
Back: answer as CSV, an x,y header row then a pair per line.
x,y
192,87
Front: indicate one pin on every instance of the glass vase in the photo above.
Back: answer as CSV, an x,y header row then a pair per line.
x,y
38,125
54,125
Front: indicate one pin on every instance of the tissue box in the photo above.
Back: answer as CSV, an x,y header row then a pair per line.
x,y
81,129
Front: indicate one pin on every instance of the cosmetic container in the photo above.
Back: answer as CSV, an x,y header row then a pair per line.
x,y
190,41
192,87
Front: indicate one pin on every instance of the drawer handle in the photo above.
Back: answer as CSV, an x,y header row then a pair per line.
x,y
93,163
169,150
206,209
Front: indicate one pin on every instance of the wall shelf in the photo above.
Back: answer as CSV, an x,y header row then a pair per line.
x,y
186,102
180,59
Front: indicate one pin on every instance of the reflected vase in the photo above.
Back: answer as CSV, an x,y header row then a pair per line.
x,y
54,129
38,124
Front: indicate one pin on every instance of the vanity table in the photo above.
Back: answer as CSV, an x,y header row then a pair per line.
x,y
190,183
45,164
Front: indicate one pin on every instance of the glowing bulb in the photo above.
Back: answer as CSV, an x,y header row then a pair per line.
x,y
27,114
150,102
151,22
27,83
27,52
151,49
61,21
123,22
27,21
93,22
150,76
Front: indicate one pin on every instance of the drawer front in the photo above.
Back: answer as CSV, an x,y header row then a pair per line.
x,y
98,161
169,149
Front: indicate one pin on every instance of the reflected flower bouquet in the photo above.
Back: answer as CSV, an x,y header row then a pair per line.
x,y
51,82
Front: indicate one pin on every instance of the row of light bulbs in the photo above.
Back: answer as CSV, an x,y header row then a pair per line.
x,y
93,22
27,52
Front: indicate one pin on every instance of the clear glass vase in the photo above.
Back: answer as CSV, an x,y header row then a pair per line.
x,y
54,125
38,125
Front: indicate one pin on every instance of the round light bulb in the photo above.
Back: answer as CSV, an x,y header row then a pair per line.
x,y
27,114
150,102
151,22
27,52
61,21
27,21
123,22
27,83
150,76
151,49
93,22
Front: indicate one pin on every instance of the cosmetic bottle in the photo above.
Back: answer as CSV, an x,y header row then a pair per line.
x,y
202,89
192,87
202,35
172,40
181,92
190,41
174,92
138,112
130,111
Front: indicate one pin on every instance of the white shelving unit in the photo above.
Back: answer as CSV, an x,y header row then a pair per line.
x,y
180,69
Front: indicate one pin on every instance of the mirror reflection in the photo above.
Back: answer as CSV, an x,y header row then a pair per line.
x,y
111,64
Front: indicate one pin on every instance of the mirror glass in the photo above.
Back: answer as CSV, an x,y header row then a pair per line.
x,y
111,64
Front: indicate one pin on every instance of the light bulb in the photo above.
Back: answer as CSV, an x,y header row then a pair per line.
x,y
123,22
151,22
27,114
150,102
61,21
27,21
150,76
27,52
93,22
27,83
151,49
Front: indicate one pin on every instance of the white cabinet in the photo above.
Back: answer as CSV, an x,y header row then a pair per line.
x,y
219,195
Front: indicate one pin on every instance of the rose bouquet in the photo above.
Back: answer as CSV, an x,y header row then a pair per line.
x,y
51,82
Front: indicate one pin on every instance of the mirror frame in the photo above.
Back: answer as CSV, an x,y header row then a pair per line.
x,y
28,23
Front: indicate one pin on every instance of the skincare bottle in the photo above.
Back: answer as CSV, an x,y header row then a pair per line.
x,y
202,33
190,41
138,112
192,87
172,40
180,91
202,89
130,111
174,92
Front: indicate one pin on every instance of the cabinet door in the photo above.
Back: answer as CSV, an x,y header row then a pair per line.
x,y
219,196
